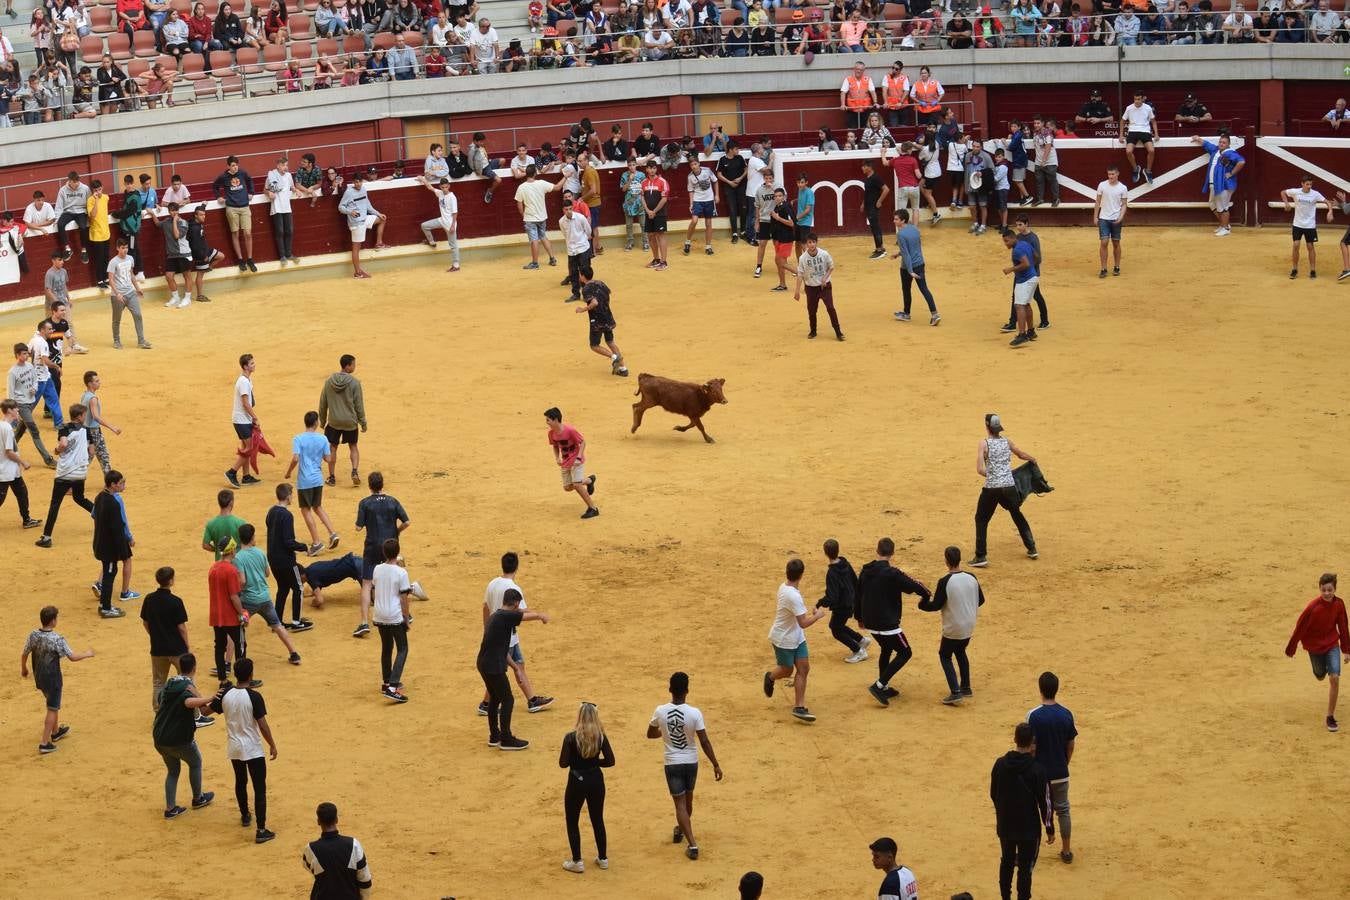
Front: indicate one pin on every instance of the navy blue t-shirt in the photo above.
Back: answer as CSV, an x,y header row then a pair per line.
x,y
1053,727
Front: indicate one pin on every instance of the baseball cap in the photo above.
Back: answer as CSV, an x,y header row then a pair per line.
x,y
1096,92
883,845
226,544
993,422
1190,96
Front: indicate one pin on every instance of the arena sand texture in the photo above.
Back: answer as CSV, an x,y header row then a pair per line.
x,y
1190,415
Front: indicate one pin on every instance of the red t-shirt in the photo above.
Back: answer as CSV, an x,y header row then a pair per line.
x,y
223,580
133,8
906,169
569,442
1321,626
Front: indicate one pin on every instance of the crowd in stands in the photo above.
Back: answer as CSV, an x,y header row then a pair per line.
x,y
93,59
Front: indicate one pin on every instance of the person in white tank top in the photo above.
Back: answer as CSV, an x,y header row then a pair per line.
x,y
994,463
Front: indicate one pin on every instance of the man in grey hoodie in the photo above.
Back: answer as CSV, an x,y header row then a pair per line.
x,y
958,597
341,409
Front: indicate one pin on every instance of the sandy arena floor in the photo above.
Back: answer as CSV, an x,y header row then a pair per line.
x,y
1188,414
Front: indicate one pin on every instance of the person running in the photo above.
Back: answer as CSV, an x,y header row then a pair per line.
x,y
246,728
815,270
48,370
126,294
899,883
1025,278
1021,796
841,594
381,517
94,417
702,204
958,597
993,460
391,590
881,590
72,467
783,227
1112,203
674,722
1305,201
254,595
762,201
342,408
21,387
309,451
585,751
788,638
47,648
245,420
909,247
595,295
1322,629
337,861
1022,227
224,583
655,197
569,452
576,231
112,544
531,200
875,192
447,220
177,705
281,549
12,465
492,656
1054,735
515,657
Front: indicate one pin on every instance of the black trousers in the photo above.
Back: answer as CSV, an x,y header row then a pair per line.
x,y
500,704
288,582
841,632
895,652
586,788
233,632
1022,856
1040,305
20,490
907,279
814,297
255,770
574,266
733,200
59,489
391,666
81,221
133,239
107,576
283,230
990,500
874,223
98,261
857,118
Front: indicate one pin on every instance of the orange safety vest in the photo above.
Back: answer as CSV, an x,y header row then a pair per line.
x,y
926,93
859,93
897,91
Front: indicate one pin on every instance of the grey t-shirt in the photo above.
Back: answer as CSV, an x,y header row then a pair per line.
x,y
764,202
56,281
120,271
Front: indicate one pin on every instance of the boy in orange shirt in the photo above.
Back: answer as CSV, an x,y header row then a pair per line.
x,y
1322,629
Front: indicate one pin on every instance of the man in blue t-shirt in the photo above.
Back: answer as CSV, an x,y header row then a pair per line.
x,y
1055,733
309,451
806,212
1025,279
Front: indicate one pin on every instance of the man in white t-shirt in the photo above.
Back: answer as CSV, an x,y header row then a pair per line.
x,y
447,219
12,465
484,48
674,723
702,204
1304,204
521,161
576,232
280,187
532,201
391,590
1109,213
245,730
40,350
39,216
789,639
1138,125
754,180
515,657
244,420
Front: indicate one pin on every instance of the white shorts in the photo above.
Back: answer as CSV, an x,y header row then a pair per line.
x,y
1220,201
1022,293
575,475
907,197
359,226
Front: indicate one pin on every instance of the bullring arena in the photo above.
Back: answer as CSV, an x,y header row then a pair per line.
x,y
1187,413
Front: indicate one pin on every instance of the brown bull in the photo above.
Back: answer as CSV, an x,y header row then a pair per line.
x,y
683,398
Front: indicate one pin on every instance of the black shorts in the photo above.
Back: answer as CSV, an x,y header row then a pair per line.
x,y
681,778
1346,238
931,183
803,231
655,224
177,265
339,436
311,498
765,231
1307,235
244,431
596,336
957,179
1135,138
370,558
204,265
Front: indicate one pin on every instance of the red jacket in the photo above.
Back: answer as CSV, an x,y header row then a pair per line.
x,y
200,29
1321,626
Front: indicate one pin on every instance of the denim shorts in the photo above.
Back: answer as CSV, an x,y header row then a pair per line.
x,y
516,656
266,610
789,657
536,231
702,209
52,693
1323,664
681,778
1107,229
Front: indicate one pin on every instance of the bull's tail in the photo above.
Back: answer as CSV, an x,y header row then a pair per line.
x,y
640,377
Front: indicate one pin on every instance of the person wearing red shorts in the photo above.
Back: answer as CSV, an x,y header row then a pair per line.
x,y
783,227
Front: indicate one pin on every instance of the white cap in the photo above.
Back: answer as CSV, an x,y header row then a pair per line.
x,y
993,422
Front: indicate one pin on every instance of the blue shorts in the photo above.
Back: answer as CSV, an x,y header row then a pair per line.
x,y
702,209
788,658
53,695
516,656
245,432
595,217
370,558
536,231
1323,664
1106,229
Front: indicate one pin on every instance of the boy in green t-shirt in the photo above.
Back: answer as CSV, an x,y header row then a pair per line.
x,y
226,524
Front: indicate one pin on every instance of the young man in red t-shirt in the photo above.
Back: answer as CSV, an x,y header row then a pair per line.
x,y
1322,629
569,451
908,175
227,610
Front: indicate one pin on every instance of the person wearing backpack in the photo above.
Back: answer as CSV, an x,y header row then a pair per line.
x,y
175,732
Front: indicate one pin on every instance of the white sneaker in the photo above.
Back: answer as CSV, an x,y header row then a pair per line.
x,y
1223,232
574,865
866,642
602,862
171,302
416,588
857,657
140,276
185,302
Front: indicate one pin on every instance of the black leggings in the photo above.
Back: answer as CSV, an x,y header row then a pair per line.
x,y
990,500
235,633
842,633
734,200
59,488
107,576
287,583
906,279
586,788
283,230
255,769
874,223
895,652
20,490
1022,855
500,704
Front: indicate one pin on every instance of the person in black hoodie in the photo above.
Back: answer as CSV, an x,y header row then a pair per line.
x,y
841,591
1021,795
881,586
112,541
281,550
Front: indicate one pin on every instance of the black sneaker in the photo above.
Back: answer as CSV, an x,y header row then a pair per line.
x,y
43,541
891,692
687,245
252,267
538,703
175,812
1293,273
778,288
878,254
590,513
204,800
811,336
361,630
231,477
677,836
245,820
249,479
243,266
768,684
839,336
801,712
590,485
953,699
1312,273
263,835
482,708
84,255
1008,327
204,721
1331,724
394,694
1344,275
1031,335
967,692
494,741
294,659
302,625
1115,270
255,683
513,743
691,851
1045,324
31,523
331,481
979,562
1019,340
879,694
48,747
1101,273
60,732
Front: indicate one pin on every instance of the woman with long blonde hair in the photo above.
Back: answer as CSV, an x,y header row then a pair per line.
x,y
585,751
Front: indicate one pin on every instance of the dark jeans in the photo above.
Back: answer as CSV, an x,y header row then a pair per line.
x,y
905,115
233,632
857,118
98,261
990,500
392,636
586,788
256,770
895,652
81,221
59,489
1040,306
574,266
174,757
20,490
874,223
133,239
946,650
500,704
841,632
734,201
919,277
814,296
1022,855
283,229
107,576
1047,175
287,583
